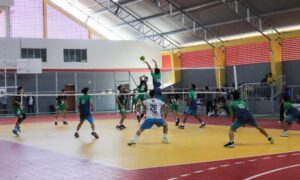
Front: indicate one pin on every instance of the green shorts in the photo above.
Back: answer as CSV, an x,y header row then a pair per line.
x,y
19,113
60,107
141,97
174,107
122,109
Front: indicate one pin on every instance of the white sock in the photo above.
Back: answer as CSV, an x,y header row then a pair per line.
x,y
165,136
135,138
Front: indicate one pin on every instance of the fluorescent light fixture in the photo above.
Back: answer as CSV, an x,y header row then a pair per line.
x,y
244,35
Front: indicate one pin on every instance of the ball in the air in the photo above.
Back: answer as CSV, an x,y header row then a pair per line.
x,y
142,58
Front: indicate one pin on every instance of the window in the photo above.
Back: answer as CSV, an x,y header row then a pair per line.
x,y
34,53
75,55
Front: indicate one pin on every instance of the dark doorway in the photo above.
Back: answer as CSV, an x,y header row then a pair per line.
x,y
70,89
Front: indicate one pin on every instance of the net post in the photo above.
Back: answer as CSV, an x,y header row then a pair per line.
x,y
235,78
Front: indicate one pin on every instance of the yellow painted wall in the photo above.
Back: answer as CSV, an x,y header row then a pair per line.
x,y
176,66
219,60
276,57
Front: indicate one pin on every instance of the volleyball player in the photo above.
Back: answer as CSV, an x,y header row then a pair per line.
x,y
241,116
61,107
192,107
85,106
291,114
18,110
174,105
156,78
121,101
141,89
153,109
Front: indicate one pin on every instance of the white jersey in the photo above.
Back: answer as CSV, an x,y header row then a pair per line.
x,y
153,108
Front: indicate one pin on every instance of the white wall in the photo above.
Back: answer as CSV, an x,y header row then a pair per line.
x,y
101,54
6,3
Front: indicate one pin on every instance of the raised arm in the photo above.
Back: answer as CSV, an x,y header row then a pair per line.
x,y
155,63
149,67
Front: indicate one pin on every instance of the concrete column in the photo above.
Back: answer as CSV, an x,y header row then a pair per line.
x,y
219,59
45,20
176,67
7,21
276,57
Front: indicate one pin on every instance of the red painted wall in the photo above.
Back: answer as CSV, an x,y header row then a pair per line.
x,y
196,59
291,49
166,62
248,54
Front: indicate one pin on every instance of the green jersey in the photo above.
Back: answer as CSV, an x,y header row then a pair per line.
x,y
193,99
156,80
122,99
84,103
19,100
61,100
142,88
238,108
288,107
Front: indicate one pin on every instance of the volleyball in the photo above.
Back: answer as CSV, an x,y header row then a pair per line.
x,y
142,58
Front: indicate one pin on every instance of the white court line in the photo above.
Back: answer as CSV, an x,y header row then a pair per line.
x,y
225,165
185,175
252,160
173,178
269,172
280,156
212,168
199,171
266,158
239,163
295,154
201,162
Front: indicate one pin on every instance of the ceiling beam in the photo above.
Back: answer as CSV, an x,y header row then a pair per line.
x,y
189,22
124,4
249,16
178,31
162,15
144,29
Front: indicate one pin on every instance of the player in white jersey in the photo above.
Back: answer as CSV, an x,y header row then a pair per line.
x,y
153,108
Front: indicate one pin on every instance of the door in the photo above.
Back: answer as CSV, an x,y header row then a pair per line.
x,y
70,89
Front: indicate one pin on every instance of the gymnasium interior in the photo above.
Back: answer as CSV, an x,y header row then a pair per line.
x,y
55,48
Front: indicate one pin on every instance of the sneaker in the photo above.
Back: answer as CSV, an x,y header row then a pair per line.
x,y
165,140
76,135
229,145
15,132
122,126
284,134
55,123
95,135
271,140
202,125
176,123
131,142
18,129
181,127
65,123
118,127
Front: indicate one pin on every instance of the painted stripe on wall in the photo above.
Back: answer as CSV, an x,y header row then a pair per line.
x,y
291,49
198,59
248,54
